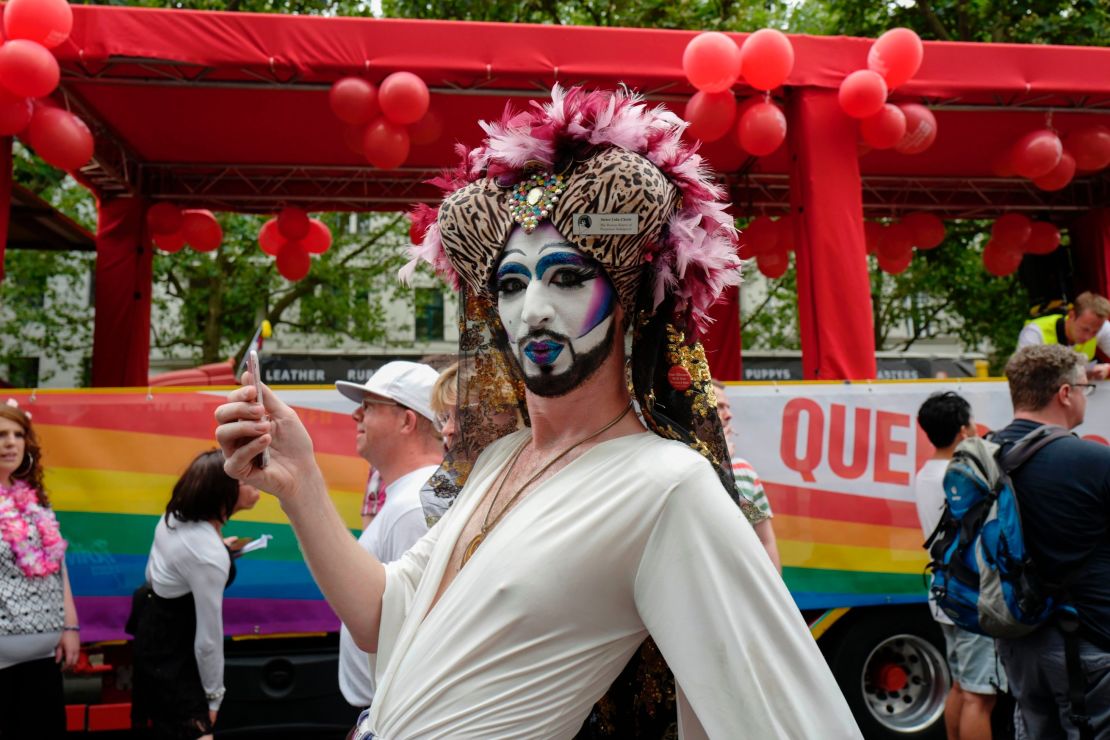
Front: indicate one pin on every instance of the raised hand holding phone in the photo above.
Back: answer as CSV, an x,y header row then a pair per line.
x,y
263,458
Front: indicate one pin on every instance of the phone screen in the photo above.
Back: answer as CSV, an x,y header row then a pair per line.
x,y
263,458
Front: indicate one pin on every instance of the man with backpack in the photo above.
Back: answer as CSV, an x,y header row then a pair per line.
x,y
1063,491
972,660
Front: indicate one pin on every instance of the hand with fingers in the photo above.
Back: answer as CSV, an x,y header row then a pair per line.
x,y
247,427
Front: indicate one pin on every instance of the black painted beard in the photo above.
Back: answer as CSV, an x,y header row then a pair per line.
x,y
582,367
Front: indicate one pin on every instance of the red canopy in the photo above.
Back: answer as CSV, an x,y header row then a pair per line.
x,y
229,111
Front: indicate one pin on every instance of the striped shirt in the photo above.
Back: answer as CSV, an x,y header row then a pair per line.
x,y
749,485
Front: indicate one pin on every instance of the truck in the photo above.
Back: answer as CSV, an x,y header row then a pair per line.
x,y
837,460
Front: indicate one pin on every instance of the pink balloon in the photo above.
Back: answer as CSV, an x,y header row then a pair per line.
x,y
711,62
773,264
921,129
201,230
1044,238
862,93
1091,147
766,59
15,115
999,260
293,223
896,55
404,98
318,239
884,129
1037,153
28,69
46,22
895,241
762,129
171,243
353,100
894,264
293,262
710,115
1059,176
1011,231
59,137
427,130
270,239
164,218
385,144
928,230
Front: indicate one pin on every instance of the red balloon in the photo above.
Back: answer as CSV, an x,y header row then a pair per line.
x,y
773,264
862,93
403,98
352,137
201,230
171,243
15,115
760,238
766,59
385,144
353,100
164,218
872,232
293,261
1037,153
762,129
884,129
28,69
895,241
46,22
928,230
270,239
710,115
427,129
1044,238
1090,147
896,263
921,129
1059,176
896,55
999,260
293,223
1002,165
1011,231
318,239
711,62
59,137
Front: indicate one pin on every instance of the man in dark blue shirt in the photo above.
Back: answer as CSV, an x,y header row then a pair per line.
x,y
1064,494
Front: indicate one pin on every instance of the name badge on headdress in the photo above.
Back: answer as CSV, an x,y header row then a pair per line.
x,y
600,224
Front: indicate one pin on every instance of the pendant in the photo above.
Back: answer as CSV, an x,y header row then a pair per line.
x,y
472,548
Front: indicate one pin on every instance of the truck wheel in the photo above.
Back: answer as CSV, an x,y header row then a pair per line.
x,y
890,665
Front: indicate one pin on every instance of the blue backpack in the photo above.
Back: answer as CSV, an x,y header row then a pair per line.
x,y
983,576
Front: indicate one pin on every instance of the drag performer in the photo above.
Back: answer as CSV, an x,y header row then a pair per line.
x,y
606,517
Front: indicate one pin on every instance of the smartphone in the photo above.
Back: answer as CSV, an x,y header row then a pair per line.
x,y
263,458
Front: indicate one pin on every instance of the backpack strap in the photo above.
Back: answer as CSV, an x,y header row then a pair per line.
x,y
1012,458
1077,682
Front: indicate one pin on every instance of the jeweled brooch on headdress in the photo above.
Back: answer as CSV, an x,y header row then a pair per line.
x,y
534,197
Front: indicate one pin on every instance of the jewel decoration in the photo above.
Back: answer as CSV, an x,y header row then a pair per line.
x,y
534,197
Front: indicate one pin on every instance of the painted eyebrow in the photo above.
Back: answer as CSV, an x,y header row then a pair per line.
x,y
553,245
513,268
559,258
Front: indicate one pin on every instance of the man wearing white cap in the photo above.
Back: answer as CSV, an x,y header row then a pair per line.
x,y
396,434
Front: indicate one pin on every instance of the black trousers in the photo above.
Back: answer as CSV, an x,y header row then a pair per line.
x,y
32,705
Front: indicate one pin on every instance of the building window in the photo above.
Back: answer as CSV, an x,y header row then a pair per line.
x,y
429,315
23,372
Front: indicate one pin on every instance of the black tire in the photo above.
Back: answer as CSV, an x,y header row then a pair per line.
x,y
889,662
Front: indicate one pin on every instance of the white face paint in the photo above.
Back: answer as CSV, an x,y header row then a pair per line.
x,y
557,307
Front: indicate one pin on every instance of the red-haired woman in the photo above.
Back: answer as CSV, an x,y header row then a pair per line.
x,y
38,619
179,640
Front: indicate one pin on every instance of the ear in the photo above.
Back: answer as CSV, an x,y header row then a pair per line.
x,y
410,421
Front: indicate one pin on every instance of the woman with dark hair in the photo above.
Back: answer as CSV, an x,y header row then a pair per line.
x,y
179,654
38,619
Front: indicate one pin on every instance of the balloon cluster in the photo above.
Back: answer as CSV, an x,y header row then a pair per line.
x,y
1051,162
892,60
28,73
893,243
713,62
291,237
770,243
383,122
1013,236
171,228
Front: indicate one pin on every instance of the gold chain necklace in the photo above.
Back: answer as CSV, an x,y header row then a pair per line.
x,y
487,525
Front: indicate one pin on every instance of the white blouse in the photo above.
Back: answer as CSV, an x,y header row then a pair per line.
x,y
635,537
190,557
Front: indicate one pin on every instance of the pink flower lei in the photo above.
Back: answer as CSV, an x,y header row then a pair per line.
x,y
19,511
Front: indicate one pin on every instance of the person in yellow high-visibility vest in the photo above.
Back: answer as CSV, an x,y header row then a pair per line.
x,y
1084,328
